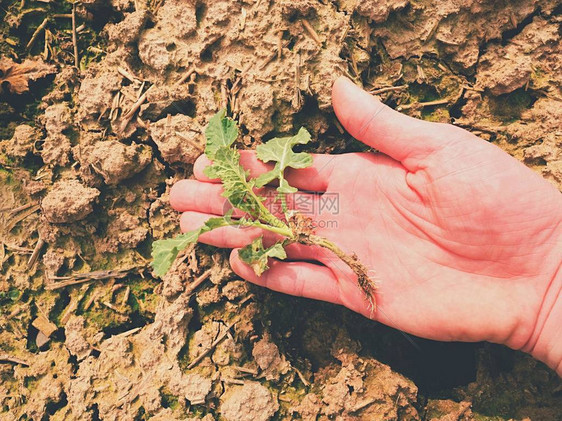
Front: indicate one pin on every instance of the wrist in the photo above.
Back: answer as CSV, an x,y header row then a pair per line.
x,y
545,343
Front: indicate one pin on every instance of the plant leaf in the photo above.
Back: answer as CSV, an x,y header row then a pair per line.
x,y
280,150
164,252
220,132
15,77
257,257
237,188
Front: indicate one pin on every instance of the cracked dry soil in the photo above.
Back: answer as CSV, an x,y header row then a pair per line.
x,y
87,159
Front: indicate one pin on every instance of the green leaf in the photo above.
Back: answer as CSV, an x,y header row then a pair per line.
x,y
221,132
280,151
164,252
14,294
256,256
237,188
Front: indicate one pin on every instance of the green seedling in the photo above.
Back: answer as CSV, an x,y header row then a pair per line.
x,y
242,192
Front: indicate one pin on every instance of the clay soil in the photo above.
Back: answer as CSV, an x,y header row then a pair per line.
x,y
88,155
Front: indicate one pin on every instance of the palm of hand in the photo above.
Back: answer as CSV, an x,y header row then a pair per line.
x,y
460,235
449,243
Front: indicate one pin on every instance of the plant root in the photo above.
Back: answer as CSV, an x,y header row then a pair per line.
x,y
303,232
363,280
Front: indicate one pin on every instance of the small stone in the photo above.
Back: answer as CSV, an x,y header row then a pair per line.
x,y
41,340
44,325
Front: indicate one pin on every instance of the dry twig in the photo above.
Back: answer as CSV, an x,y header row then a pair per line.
x,y
186,75
129,115
4,358
35,255
422,104
80,278
387,89
127,75
272,56
198,281
217,341
36,33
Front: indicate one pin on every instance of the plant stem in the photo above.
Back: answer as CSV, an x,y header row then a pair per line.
x,y
285,232
266,216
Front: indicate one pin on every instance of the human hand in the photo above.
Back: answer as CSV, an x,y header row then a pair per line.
x,y
465,241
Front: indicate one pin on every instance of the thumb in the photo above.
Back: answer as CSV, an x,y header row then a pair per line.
x,y
397,135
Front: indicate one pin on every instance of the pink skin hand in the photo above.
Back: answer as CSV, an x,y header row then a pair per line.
x,y
464,241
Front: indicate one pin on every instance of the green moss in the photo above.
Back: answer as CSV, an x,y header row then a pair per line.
x,y
7,347
137,311
169,400
10,296
104,318
436,114
480,417
539,79
30,383
509,107
199,412
61,302
6,177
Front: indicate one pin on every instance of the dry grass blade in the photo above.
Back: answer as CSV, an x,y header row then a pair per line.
x,y
127,75
302,378
127,333
112,307
2,254
313,34
18,249
245,370
12,211
126,296
21,217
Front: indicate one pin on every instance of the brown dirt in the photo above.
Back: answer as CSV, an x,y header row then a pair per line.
x,y
85,184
